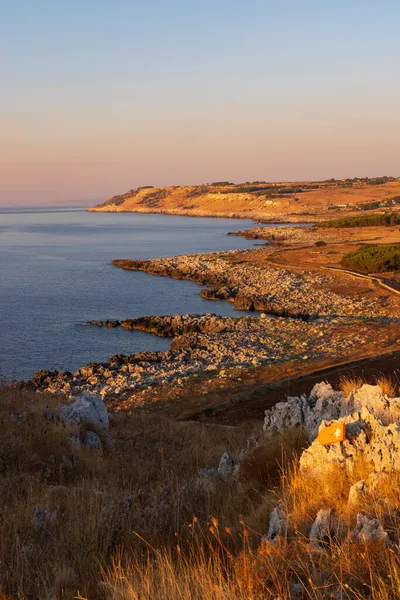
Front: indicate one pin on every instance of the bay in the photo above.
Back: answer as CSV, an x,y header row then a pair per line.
x,y
56,273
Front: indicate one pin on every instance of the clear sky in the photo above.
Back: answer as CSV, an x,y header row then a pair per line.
x,y
99,96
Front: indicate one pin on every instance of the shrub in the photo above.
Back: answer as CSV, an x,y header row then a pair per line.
x,y
373,259
320,243
376,220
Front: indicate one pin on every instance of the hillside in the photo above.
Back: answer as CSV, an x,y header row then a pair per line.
x,y
135,506
294,201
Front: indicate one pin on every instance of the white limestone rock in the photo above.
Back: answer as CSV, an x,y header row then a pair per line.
x,y
367,438
87,409
379,404
305,412
327,526
357,493
278,524
370,530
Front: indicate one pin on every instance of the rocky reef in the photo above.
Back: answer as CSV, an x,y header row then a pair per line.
x,y
172,326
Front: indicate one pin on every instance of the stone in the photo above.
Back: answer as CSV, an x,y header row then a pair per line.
x,y
278,524
377,402
86,409
226,466
370,530
305,412
327,526
93,441
357,493
368,438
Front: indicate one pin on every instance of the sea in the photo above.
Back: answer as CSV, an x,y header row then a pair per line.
x,y
56,273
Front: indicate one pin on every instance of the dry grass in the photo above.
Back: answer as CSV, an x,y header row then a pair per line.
x,y
99,502
282,571
389,385
217,565
348,384
122,525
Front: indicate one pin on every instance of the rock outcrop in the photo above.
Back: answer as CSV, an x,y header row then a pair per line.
x,y
87,409
306,412
89,412
372,422
367,439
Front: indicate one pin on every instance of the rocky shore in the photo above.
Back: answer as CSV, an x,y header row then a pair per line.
x,y
290,236
315,328
202,344
237,277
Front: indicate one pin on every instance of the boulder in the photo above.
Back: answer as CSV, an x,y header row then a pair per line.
x,y
367,438
87,409
325,404
372,397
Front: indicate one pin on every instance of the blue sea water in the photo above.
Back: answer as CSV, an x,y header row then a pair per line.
x,y
56,273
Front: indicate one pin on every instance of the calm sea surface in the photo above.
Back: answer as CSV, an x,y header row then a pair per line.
x,y
56,273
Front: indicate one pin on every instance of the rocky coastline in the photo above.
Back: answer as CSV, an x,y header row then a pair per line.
x,y
290,236
302,319
201,344
237,277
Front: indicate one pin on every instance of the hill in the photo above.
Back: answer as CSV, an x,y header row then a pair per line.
x,y
262,201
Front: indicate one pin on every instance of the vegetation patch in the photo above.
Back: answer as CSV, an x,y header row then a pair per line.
x,y
376,220
373,259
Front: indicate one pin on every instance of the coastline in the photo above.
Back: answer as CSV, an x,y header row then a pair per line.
x,y
209,355
255,217
261,202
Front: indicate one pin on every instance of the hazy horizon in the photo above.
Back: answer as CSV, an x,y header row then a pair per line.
x,y
100,98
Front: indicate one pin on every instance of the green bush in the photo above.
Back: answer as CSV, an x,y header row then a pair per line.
x,y
320,243
373,259
376,220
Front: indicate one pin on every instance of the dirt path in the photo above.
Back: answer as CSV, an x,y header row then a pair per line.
x,y
371,278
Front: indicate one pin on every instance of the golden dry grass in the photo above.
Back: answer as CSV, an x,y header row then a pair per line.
x,y
216,565
123,525
100,502
285,570
349,384
388,384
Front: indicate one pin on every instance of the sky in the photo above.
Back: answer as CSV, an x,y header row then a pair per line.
x,y
101,96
